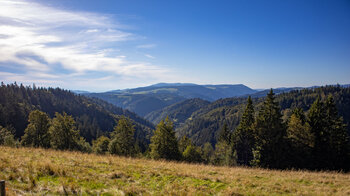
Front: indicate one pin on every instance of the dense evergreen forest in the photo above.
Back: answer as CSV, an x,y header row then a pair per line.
x,y
305,129
93,117
204,124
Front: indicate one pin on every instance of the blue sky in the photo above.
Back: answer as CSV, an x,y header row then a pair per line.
x,y
104,45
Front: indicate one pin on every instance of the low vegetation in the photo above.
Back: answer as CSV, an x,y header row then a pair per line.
x,y
29,171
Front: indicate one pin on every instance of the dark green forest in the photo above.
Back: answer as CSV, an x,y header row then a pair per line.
x,y
306,129
93,117
204,124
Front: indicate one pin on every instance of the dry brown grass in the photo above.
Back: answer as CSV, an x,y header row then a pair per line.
x,y
31,171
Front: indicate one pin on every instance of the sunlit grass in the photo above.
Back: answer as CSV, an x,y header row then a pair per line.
x,y
38,171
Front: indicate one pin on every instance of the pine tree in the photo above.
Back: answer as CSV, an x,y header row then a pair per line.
x,y
163,143
301,140
339,138
64,135
123,142
331,139
243,137
225,134
269,150
183,143
37,131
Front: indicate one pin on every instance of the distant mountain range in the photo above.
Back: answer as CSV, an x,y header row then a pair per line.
x,y
145,100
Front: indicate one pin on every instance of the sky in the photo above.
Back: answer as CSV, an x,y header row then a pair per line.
x,y
106,45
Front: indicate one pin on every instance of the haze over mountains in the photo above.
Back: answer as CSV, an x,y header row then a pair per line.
x,y
145,100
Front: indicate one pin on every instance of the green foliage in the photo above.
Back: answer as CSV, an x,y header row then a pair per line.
x,y
164,143
225,135
192,154
243,138
100,145
270,135
300,139
331,144
37,131
64,135
183,143
6,137
207,152
93,117
123,142
223,155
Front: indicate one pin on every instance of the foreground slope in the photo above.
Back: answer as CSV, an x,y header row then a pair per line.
x,y
30,171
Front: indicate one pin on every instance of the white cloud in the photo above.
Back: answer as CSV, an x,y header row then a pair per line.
x,y
146,46
149,56
58,46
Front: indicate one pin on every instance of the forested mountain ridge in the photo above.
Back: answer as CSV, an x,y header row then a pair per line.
x,y
145,100
178,112
204,124
93,117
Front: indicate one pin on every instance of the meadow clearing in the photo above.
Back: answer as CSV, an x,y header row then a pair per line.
x,y
30,171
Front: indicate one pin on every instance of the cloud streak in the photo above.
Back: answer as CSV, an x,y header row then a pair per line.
x,y
55,46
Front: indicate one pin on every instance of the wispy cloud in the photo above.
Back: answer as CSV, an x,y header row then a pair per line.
x,y
56,46
146,46
149,56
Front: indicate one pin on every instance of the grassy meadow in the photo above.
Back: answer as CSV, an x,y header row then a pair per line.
x,y
30,171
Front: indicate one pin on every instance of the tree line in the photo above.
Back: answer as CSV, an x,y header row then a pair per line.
x,y
314,139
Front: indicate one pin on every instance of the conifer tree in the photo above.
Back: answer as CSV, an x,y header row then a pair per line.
x,y
207,152
164,143
224,154
64,135
243,137
269,150
339,138
37,131
301,140
183,143
225,134
331,144
123,142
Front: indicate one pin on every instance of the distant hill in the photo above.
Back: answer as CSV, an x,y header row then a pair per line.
x,y
145,100
204,124
94,117
178,112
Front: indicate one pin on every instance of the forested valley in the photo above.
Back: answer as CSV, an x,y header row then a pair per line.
x,y
301,129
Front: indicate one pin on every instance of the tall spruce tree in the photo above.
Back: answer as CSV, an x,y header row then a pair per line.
x,y
331,139
64,135
339,138
269,150
243,137
318,127
164,143
301,140
37,132
224,154
123,142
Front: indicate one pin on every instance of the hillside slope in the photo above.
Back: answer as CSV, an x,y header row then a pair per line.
x,y
205,123
29,171
178,112
93,117
145,100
